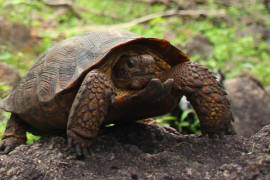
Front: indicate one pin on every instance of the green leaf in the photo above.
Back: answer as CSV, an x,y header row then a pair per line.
x,y
165,118
184,124
5,56
31,138
185,114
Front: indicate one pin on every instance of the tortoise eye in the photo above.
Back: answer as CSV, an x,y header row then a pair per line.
x,y
130,63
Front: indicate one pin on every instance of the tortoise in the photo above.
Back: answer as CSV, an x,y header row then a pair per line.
x,y
100,77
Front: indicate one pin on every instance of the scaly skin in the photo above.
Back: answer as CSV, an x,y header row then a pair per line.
x,y
90,106
206,95
14,134
153,100
89,110
91,103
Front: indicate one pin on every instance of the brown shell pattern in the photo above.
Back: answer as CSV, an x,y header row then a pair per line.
x,y
60,66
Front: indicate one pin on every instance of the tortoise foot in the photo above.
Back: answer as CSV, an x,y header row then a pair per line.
x,y
154,90
206,95
8,144
14,135
88,111
81,145
229,130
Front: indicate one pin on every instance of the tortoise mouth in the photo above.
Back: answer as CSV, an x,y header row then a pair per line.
x,y
139,74
136,81
137,77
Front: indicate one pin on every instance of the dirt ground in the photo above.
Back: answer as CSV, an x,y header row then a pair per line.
x,y
250,104
138,151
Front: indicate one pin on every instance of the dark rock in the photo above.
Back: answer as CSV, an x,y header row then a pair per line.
x,y
256,31
267,89
267,4
228,3
143,152
9,75
250,105
266,37
199,45
14,35
169,35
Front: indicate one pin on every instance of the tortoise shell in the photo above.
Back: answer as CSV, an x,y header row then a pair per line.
x,y
62,67
73,85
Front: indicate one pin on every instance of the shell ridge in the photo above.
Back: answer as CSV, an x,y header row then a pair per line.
x,y
61,66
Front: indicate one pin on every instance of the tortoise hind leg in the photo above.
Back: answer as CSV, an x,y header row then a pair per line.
x,y
88,111
14,135
206,95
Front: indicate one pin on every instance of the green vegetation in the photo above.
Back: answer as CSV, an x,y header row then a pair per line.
x,y
182,123
234,52
2,127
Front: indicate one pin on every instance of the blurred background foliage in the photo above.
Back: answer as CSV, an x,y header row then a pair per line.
x,y
226,35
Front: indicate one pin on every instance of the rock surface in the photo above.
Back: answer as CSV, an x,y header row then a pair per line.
x,y
143,152
250,104
256,31
199,45
9,75
14,35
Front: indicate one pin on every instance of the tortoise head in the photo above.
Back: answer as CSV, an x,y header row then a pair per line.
x,y
134,71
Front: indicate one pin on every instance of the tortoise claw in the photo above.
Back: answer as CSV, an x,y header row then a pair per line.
x,y
212,135
82,151
2,146
7,150
85,152
221,135
69,142
8,144
78,150
157,89
167,86
78,144
216,135
154,84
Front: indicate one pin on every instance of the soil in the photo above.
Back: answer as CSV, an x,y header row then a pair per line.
x,y
139,151
250,104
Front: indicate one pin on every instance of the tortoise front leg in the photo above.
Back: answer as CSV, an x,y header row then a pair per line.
x,y
15,134
88,111
206,95
153,100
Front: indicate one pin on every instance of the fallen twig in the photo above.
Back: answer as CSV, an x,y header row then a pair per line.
x,y
167,2
156,1
63,4
58,13
75,8
95,12
145,19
